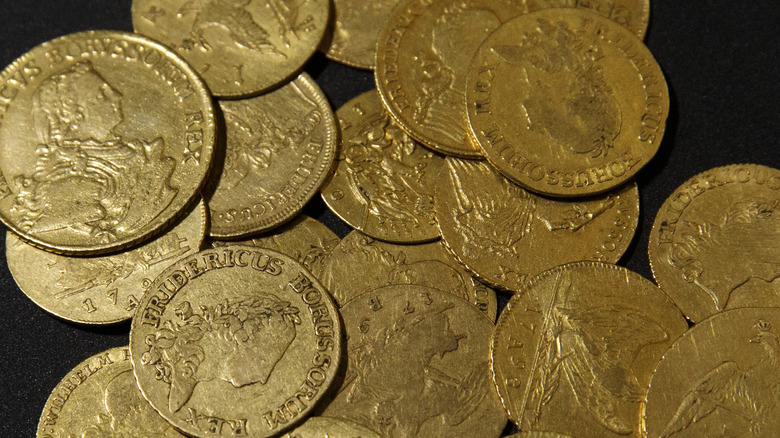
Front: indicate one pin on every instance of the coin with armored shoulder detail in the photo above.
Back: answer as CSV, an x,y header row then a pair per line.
x,y
574,349
100,289
715,242
632,14
327,427
87,166
238,336
566,102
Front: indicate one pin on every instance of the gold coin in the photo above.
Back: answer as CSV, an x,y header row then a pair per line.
x,y
566,102
241,339
417,366
280,149
715,241
423,57
632,14
325,427
383,180
506,234
106,138
385,264
538,435
719,379
102,289
99,398
574,350
239,47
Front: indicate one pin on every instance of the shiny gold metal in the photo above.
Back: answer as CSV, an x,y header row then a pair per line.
x,y
326,427
538,435
632,14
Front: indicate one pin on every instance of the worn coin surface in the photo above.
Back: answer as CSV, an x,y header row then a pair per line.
x,y
383,180
326,427
100,289
720,379
87,164
240,337
506,234
566,102
239,47
99,398
574,350
417,366
715,243
280,149
632,14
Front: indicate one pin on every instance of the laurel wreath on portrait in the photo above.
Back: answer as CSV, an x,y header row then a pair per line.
x,y
547,375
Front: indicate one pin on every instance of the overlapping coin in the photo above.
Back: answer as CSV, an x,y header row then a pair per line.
x,y
632,14
326,427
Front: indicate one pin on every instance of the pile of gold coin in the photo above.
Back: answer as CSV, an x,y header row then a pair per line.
x,y
159,177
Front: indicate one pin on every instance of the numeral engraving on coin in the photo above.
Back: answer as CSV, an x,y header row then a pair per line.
x,y
153,13
89,306
112,294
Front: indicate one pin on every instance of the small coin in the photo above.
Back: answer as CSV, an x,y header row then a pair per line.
x,y
239,47
574,350
99,398
417,366
632,14
239,336
383,180
325,427
566,103
714,242
280,149
87,164
102,289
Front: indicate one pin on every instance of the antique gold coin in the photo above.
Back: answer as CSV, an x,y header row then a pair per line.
x,y
632,14
88,163
235,341
101,289
384,264
326,427
506,234
574,350
239,47
720,379
417,366
715,242
566,102
280,149
99,398
423,57
537,435
383,180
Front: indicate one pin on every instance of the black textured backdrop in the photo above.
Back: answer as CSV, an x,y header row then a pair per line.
x,y
721,62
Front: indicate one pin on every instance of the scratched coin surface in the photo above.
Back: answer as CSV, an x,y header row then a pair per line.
x,y
240,337
574,350
632,14
417,366
99,398
100,289
239,47
423,57
506,234
280,149
326,427
383,180
385,264
566,102
87,165
715,243
720,379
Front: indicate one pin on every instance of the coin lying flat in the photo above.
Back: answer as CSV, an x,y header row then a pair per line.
x,y
99,398
100,289
632,14
325,427
714,243
86,164
280,149
566,103
240,337
239,47
574,350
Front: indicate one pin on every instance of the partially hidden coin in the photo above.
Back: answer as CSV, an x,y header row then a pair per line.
x,y
632,14
326,427
538,435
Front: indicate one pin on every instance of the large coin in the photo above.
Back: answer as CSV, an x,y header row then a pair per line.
x,y
417,366
99,398
239,47
325,427
506,234
573,352
566,102
383,182
423,56
632,14
715,243
280,149
102,289
238,341
88,163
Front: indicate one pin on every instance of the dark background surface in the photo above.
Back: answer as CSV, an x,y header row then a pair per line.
x,y
720,57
